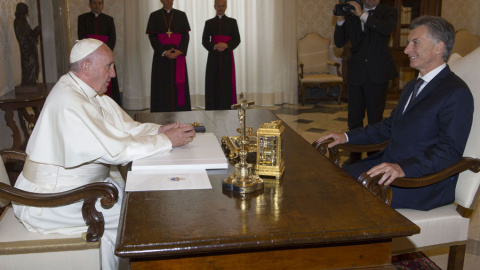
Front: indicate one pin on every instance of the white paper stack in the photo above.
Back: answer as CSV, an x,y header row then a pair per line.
x,y
204,152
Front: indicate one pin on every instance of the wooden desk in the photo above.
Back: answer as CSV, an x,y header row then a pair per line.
x,y
317,217
19,102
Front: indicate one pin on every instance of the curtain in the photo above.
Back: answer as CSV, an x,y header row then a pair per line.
x,y
265,60
138,55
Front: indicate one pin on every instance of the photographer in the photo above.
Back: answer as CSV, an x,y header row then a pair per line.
x,y
370,66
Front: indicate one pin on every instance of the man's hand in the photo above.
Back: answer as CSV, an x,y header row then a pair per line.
x,y
178,133
172,54
391,171
338,138
358,9
221,46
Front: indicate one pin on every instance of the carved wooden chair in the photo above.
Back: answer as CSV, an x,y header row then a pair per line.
x,y
21,249
313,65
447,225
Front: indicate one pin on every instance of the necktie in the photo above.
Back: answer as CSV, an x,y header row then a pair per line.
x,y
417,85
370,12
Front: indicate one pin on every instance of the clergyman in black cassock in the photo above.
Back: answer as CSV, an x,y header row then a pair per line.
x,y
98,25
220,81
168,31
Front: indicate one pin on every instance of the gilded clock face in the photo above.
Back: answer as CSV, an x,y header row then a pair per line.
x,y
268,151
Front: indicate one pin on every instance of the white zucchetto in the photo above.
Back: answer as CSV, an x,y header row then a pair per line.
x,y
84,47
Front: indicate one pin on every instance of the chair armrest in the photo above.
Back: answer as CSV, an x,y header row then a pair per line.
x,y
335,64
334,152
370,183
88,193
385,194
466,163
13,154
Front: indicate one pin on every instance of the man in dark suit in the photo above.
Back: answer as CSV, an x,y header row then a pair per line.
x,y
98,25
429,127
370,66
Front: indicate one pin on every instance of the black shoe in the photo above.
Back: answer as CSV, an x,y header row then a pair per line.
x,y
354,157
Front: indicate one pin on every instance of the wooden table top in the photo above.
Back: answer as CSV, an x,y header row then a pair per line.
x,y
315,204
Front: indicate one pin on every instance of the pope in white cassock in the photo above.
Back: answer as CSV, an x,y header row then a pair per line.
x,y
79,134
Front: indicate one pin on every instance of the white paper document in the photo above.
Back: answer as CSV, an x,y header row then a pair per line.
x,y
204,152
167,180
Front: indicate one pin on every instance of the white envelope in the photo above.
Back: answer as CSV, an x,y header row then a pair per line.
x,y
167,180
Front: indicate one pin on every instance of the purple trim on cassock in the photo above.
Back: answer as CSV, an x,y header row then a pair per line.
x,y
220,38
181,65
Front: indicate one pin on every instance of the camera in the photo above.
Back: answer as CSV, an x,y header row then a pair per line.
x,y
344,8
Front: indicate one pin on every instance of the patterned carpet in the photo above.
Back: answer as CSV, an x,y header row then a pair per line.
x,y
414,261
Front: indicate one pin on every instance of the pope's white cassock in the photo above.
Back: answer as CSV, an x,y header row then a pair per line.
x,y
78,135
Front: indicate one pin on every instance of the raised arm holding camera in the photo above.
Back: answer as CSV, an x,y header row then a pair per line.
x,y
367,25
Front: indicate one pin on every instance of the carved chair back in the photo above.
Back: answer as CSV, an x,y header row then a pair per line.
x,y
312,51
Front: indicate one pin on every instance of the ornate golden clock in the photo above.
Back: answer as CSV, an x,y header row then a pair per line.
x,y
269,149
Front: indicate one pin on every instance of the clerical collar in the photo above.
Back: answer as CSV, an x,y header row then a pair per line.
x,y
219,16
96,14
168,11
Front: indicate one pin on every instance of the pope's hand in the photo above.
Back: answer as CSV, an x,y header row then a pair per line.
x,y
166,127
179,133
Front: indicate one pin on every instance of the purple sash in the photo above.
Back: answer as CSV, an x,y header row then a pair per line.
x,y
181,65
98,37
219,38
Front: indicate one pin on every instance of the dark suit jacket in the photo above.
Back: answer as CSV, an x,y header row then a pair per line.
x,y
428,137
370,55
106,27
